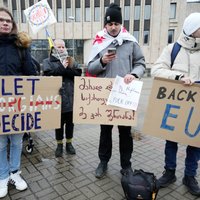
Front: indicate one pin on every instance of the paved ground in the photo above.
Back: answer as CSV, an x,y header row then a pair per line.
x,y
72,177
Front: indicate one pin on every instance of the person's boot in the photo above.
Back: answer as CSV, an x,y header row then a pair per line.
x,y
70,149
191,183
101,169
59,150
167,178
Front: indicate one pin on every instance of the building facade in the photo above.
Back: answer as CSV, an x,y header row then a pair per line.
x,y
154,23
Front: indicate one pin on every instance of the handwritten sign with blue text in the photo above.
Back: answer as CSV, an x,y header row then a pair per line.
x,y
29,103
125,95
173,112
90,97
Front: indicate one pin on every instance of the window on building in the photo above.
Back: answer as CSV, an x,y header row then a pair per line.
x,y
126,14
59,11
126,24
136,35
31,2
117,2
147,2
23,17
147,12
87,11
146,37
146,31
5,3
147,17
106,4
170,36
126,17
14,10
127,3
77,10
172,11
137,12
50,3
97,10
137,2
39,49
136,29
68,10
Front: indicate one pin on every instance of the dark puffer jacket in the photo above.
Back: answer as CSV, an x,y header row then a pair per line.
x,y
10,61
53,67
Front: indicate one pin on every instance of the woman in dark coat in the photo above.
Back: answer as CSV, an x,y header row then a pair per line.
x,y
60,64
11,42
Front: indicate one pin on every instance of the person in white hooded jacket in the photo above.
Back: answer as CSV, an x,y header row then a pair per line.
x,y
186,68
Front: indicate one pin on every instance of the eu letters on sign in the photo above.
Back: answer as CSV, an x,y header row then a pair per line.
x,y
173,112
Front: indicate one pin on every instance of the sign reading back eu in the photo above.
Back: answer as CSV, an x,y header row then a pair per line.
x,y
173,112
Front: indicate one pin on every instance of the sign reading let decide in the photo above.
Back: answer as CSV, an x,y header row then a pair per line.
x,y
29,103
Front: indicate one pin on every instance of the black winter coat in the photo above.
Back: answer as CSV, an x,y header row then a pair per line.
x,y
53,67
10,61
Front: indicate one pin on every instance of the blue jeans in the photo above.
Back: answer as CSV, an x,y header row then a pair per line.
x,y
191,160
11,161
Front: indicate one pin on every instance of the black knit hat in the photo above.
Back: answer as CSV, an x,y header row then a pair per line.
x,y
113,14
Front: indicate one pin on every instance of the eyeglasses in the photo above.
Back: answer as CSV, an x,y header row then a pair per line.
x,y
8,21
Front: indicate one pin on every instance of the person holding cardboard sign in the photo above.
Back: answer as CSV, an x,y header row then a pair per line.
x,y
185,68
61,64
115,52
12,65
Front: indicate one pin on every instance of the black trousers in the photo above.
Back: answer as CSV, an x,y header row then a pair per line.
x,y
66,125
125,144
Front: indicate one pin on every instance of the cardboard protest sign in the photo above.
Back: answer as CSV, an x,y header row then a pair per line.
x,y
173,112
125,95
39,16
29,103
90,97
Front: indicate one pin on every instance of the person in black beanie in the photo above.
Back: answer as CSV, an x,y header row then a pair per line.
x,y
127,61
113,14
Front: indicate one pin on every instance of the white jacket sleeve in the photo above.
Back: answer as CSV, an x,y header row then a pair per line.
x,y
162,67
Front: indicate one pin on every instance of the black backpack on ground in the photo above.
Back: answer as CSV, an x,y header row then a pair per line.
x,y
140,185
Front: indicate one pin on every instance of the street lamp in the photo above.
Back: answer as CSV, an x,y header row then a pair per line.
x,y
72,18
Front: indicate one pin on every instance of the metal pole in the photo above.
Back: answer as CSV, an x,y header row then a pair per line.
x,y
73,38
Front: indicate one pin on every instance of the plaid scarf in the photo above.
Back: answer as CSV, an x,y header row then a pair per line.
x,y
58,55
